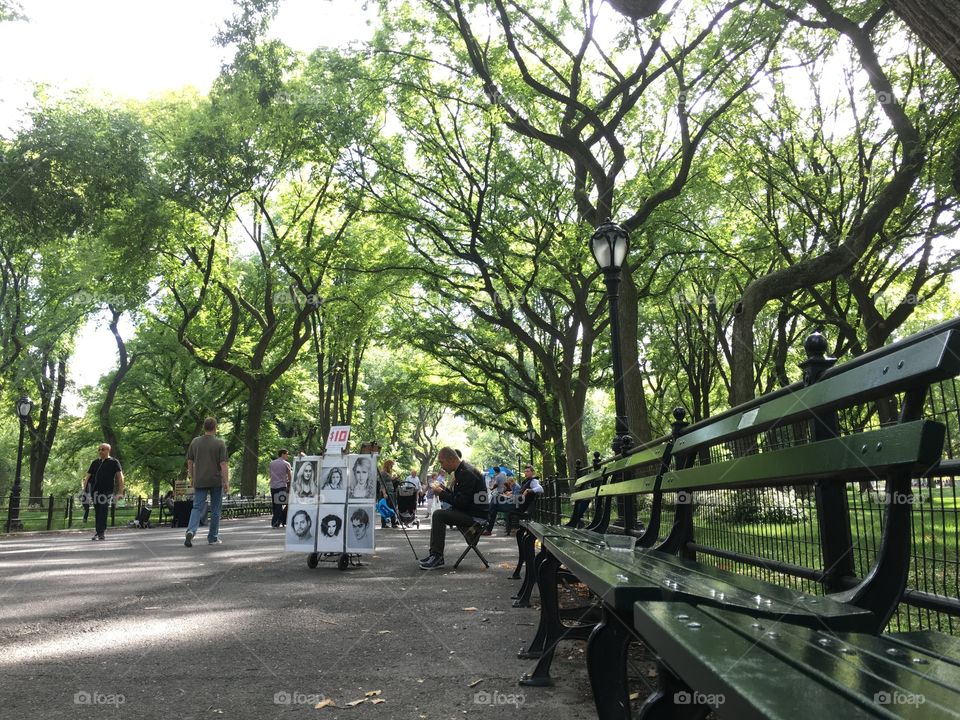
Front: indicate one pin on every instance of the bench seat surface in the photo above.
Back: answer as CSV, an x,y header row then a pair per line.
x,y
621,578
770,670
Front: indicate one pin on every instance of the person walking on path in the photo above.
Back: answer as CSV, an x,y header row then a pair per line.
x,y
467,496
104,478
209,474
281,475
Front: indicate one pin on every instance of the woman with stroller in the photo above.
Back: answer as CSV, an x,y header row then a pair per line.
x,y
407,494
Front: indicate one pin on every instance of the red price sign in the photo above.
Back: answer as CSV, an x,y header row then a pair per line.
x,y
337,439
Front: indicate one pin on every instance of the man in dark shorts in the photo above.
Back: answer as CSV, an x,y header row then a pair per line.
x,y
105,477
209,474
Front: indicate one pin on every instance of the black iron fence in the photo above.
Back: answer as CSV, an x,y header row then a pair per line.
x,y
68,511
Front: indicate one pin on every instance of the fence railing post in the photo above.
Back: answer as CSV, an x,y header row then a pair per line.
x,y
50,513
70,511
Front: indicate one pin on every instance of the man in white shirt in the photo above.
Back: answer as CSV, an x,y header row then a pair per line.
x,y
517,503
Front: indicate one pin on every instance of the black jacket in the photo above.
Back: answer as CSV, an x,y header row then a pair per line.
x,y
469,492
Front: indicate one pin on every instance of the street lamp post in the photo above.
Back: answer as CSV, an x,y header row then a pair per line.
x,y
24,408
531,434
610,244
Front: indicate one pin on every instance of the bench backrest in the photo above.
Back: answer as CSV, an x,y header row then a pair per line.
x,y
857,422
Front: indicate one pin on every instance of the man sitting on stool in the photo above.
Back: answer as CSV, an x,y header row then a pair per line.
x,y
518,503
467,497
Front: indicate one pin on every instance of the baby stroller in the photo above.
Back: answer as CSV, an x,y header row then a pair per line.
x,y
407,494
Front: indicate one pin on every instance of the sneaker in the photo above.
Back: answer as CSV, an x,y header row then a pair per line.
x,y
487,531
215,541
95,537
100,537
189,541
426,559
433,563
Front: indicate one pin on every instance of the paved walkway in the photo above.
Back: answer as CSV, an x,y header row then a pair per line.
x,y
139,626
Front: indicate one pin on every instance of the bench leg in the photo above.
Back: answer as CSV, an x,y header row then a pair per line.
x,y
550,627
539,640
660,705
531,562
521,559
607,667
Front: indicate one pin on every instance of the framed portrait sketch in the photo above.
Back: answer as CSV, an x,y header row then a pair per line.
x,y
333,480
362,479
359,529
301,528
330,534
306,479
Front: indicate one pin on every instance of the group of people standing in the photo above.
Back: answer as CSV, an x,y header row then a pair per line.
x,y
467,502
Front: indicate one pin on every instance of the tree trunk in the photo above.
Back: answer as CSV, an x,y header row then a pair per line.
x,y
638,416
52,385
106,427
937,24
742,356
573,431
250,457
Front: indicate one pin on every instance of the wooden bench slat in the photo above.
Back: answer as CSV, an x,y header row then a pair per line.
x,y
629,487
620,578
641,457
916,444
772,670
944,647
936,358
588,478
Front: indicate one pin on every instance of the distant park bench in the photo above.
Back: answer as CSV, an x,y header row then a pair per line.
x,y
232,508
749,603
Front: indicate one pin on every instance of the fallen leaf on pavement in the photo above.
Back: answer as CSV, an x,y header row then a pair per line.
x,y
357,702
469,609
326,702
383,632
377,701
475,683
374,693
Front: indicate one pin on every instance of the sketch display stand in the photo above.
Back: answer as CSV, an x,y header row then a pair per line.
x,y
331,512
343,560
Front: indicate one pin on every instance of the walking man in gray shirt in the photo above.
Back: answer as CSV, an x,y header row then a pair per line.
x,y
209,474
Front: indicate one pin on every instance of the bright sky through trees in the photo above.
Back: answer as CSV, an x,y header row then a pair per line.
x,y
139,50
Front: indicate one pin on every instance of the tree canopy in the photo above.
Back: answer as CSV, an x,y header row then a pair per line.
x,y
394,235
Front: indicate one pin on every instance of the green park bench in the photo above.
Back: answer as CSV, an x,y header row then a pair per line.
x,y
816,438
648,460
